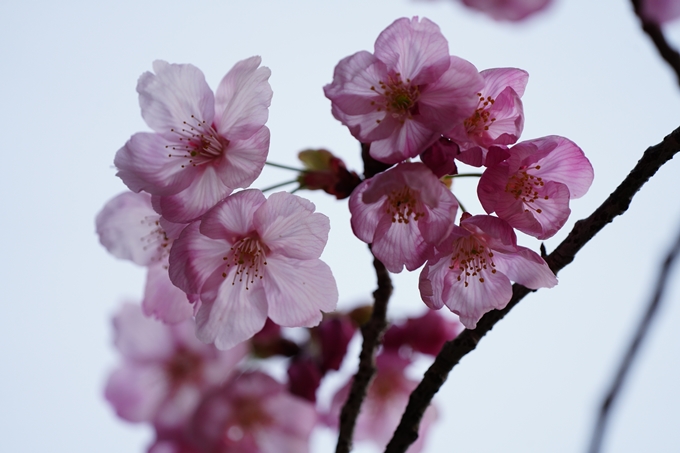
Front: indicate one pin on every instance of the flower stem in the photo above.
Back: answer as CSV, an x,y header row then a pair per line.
x,y
464,175
285,167
276,186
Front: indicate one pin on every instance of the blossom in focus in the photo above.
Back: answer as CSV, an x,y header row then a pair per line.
x,y
165,369
660,11
498,119
250,258
473,268
385,402
529,185
326,172
401,98
130,229
253,413
510,10
439,157
204,145
425,334
403,212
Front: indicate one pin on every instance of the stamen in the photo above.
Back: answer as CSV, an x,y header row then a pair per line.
x,y
525,186
197,142
248,255
402,204
481,119
398,98
472,258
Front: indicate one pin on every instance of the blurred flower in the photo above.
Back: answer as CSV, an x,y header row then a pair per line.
x,y
425,334
165,369
474,265
530,184
253,413
251,258
660,11
511,10
402,212
404,96
204,145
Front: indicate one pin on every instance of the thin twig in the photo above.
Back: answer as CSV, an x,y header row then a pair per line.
x,y
281,184
372,332
627,362
653,30
584,230
285,167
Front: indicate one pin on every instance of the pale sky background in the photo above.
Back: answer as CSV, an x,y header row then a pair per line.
x,y
533,385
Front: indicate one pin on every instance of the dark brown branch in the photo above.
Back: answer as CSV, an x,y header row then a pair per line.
x,y
372,332
627,362
653,30
584,230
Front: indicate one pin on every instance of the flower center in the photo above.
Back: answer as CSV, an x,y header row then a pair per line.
x,y
248,256
397,98
156,238
472,258
197,143
481,119
525,186
402,204
183,366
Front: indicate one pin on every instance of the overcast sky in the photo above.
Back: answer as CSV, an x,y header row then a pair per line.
x,y
69,102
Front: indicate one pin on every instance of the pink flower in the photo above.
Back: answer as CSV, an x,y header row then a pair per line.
x,y
498,119
474,265
512,10
130,229
402,212
165,369
660,11
252,413
529,185
205,145
385,401
250,258
403,97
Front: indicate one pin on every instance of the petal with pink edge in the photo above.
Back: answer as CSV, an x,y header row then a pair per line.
x,y
400,244
163,300
299,290
243,160
232,219
566,163
140,338
136,392
497,80
173,95
242,99
526,268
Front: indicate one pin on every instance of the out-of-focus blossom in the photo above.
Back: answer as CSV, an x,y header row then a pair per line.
x,y
304,378
269,342
511,10
474,265
401,98
165,369
402,212
253,413
660,11
425,334
385,401
498,119
130,229
326,172
529,185
204,145
250,258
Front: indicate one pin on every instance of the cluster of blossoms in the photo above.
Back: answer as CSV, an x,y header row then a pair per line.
x,y
411,98
228,268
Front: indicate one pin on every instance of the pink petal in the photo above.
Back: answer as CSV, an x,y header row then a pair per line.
x,y
511,10
400,244
232,311
162,299
232,219
566,163
526,268
136,392
660,11
143,164
365,215
409,140
243,160
433,278
415,49
140,338
288,226
498,79
242,99
298,291
287,434
173,95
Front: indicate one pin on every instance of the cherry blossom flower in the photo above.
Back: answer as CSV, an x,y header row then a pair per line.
x,y
529,185
326,172
253,413
660,11
439,157
498,119
130,229
402,212
425,334
405,95
385,401
474,265
511,10
165,369
204,145
250,258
